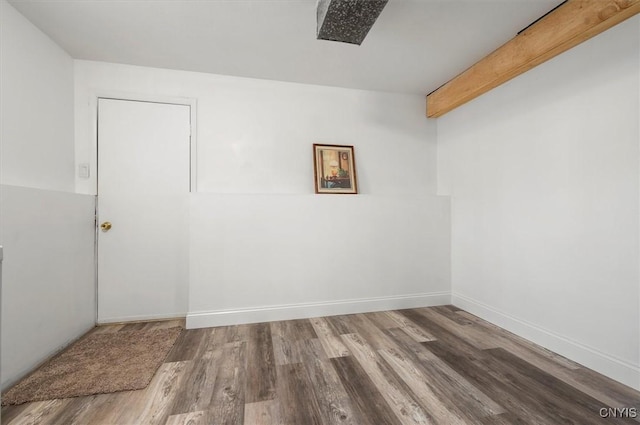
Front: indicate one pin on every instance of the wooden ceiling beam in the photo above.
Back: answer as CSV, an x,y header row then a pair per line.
x,y
565,27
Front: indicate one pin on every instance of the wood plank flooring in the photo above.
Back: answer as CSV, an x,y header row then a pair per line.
x,y
437,365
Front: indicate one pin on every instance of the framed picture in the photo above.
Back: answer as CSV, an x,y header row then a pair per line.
x,y
334,169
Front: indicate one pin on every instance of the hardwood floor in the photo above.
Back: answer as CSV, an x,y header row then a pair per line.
x,y
437,365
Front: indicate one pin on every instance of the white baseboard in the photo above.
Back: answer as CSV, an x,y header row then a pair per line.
x,y
620,370
206,319
141,318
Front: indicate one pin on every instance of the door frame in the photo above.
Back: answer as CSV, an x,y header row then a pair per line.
x,y
115,95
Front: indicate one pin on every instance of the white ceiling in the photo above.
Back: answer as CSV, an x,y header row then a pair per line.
x,y
414,47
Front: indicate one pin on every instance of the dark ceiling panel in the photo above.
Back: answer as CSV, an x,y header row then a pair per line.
x,y
347,21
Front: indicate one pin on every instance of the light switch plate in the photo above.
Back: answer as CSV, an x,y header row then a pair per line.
x,y
83,171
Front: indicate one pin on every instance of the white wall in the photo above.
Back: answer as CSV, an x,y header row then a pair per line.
x,y
257,229
48,293
255,136
273,257
36,81
48,286
544,178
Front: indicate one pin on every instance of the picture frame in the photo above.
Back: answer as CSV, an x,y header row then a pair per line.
x,y
334,169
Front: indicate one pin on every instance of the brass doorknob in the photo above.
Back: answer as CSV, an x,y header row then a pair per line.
x,y
105,226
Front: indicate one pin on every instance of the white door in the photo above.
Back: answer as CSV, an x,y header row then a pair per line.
x,y
143,188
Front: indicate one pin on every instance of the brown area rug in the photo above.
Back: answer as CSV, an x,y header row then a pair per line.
x,y
96,364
